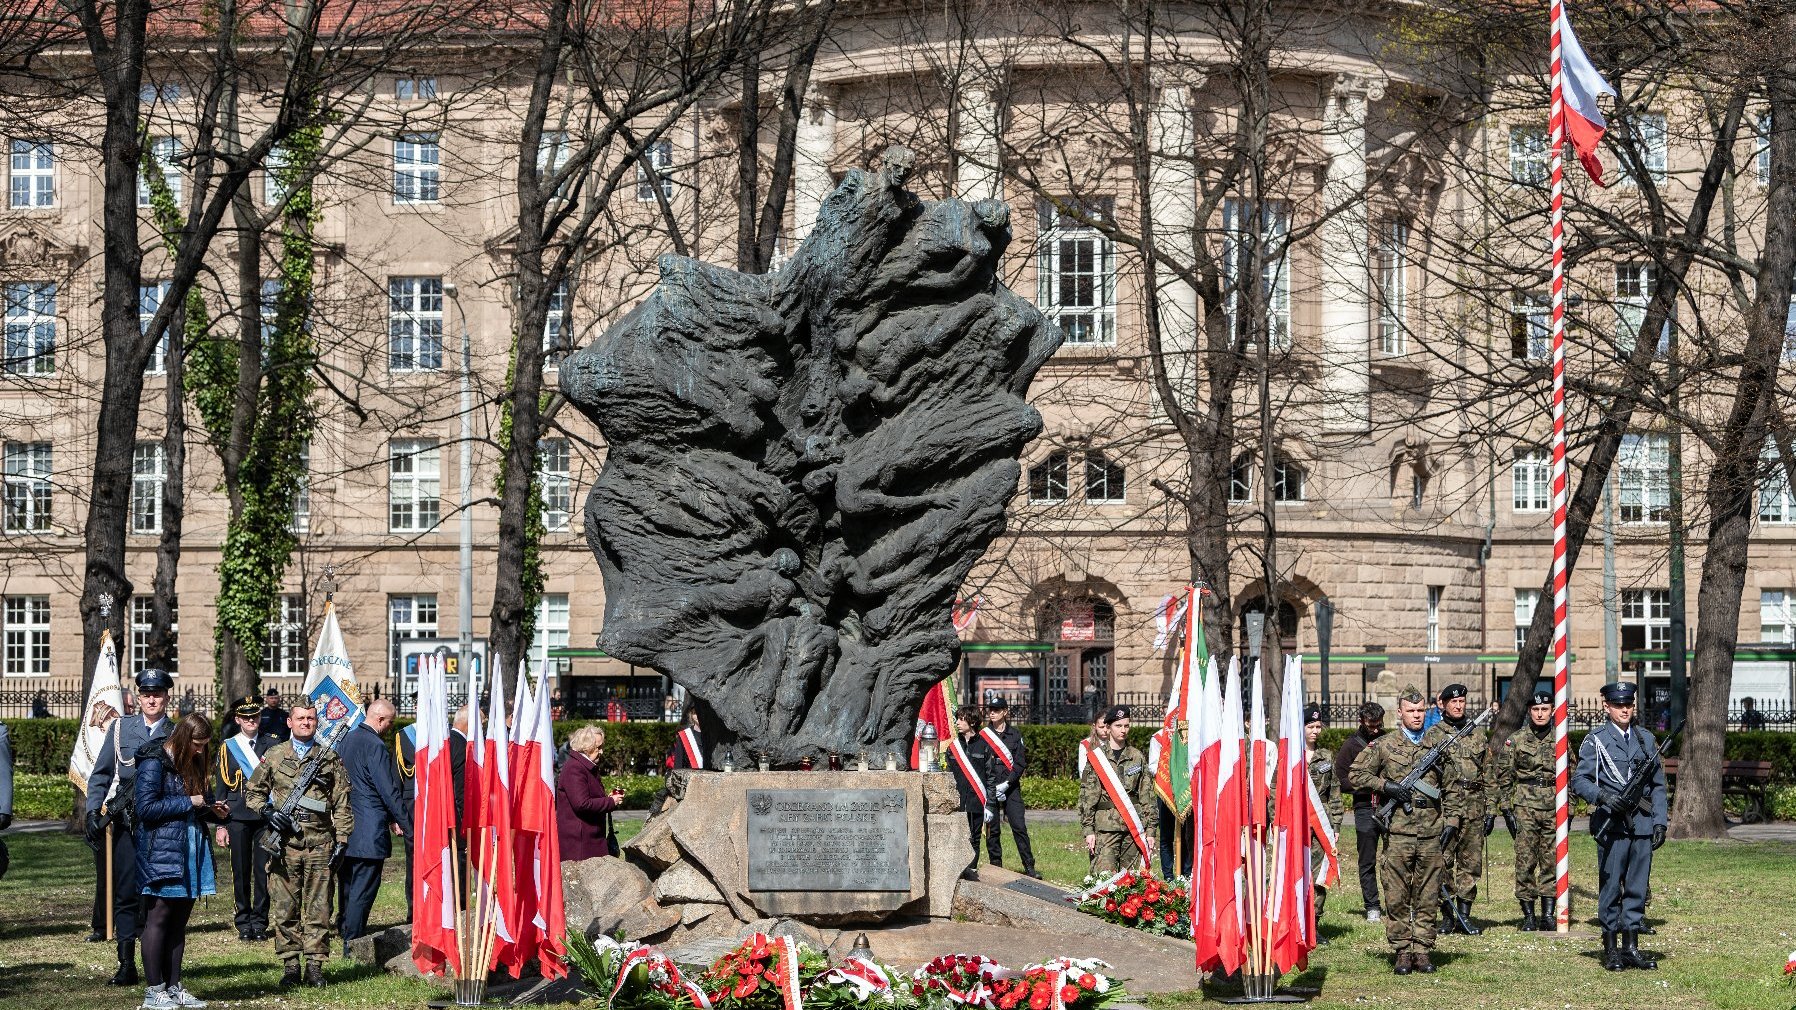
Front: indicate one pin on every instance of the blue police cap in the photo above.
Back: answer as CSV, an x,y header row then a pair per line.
x,y
1619,693
153,679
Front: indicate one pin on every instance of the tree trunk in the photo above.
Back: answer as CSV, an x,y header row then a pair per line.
x,y
160,650
1733,480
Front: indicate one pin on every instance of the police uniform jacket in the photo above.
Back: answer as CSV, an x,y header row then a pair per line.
x,y
1097,812
323,814
373,794
127,735
1606,760
229,784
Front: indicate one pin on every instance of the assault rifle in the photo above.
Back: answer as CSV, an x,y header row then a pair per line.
x,y
1413,782
281,825
1633,795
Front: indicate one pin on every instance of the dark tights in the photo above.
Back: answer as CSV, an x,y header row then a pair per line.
x,y
165,940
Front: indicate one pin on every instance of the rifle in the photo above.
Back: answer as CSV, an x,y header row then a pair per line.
x,y
1633,795
1413,781
272,839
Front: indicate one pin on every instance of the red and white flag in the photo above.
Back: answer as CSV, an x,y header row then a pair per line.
x,y
434,900
1584,123
936,712
1227,857
1259,755
494,895
541,918
1206,749
1290,897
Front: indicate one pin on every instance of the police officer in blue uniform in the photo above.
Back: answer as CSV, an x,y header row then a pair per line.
x,y
249,861
1610,755
111,796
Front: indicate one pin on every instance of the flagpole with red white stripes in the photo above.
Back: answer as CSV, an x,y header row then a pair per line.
x,y
1561,685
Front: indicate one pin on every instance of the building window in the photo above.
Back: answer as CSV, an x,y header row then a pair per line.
x,y
149,300
1047,479
1634,285
1761,149
31,328
409,616
556,482
1775,623
1775,502
555,335
659,155
1530,161
414,89
1434,617
1651,143
33,174
274,188
1418,488
149,474
417,168
414,324
1275,275
27,636
1525,602
551,627
1645,475
284,654
27,487
1531,480
1288,480
151,93
414,481
1646,623
302,495
143,620
1241,479
1393,288
1530,328
165,152
1076,272
1105,481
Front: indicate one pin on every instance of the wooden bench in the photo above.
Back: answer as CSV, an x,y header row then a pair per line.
x,y
1747,779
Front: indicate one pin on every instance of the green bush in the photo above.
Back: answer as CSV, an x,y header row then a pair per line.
x,y
42,746
1050,794
630,747
42,797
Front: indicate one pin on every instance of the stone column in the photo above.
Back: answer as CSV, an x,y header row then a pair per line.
x,y
1345,268
1172,196
814,149
980,125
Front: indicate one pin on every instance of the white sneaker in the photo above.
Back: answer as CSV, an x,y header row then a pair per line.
x,y
1373,915
157,998
184,998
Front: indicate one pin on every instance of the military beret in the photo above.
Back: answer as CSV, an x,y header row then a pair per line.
x,y
997,703
273,692
247,707
1411,696
1619,693
153,679
1312,713
1116,712
1452,691
1542,698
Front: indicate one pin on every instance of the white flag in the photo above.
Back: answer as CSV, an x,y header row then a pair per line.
x,y
105,702
330,680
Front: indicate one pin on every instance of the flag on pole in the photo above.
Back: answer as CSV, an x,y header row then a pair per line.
x,y
937,711
1167,618
1206,738
1170,755
551,914
1227,856
1584,123
1259,767
534,844
105,702
497,874
435,901
330,680
1291,898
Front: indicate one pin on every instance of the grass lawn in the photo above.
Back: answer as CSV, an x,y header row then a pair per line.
x,y
1726,915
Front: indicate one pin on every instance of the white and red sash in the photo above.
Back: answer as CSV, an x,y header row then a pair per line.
x,y
688,738
965,764
996,743
789,984
1119,797
658,964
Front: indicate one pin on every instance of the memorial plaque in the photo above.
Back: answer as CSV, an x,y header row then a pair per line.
x,y
828,840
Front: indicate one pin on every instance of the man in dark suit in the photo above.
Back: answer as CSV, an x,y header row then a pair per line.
x,y
274,717
374,800
237,761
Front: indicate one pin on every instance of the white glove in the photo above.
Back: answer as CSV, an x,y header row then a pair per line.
x,y
1003,789
989,817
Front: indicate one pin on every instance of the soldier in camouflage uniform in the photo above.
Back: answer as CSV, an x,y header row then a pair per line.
x,y
1328,789
1107,836
1466,798
311,842
1526,785
1410,869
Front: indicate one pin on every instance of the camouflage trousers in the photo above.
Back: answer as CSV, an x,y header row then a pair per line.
x,y
1409,872
299,895
1536,861
1116,849
1463,861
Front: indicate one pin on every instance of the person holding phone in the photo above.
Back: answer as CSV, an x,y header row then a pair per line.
x,y
174,853
583,805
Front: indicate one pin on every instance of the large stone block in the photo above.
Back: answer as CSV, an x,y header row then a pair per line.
x,y
608,895
950,852
683,883
379,948
653,848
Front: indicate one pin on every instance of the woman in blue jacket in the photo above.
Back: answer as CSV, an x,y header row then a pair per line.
x,y
174,857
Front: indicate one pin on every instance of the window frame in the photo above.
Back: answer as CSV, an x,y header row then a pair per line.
x,y
1639,473
165,151
284,652
556,486
149,302
300,522
1393,288
424,487
1635,284
414,88
1059,460
1530,156
1653,136
25,634
142,623
30,327
1539,484
1536,314
1275,233
1084,323
40,190
28,494
149,477
418,168
1102,471
1282,469
554,625
660,157
411,627
1524,620
414,329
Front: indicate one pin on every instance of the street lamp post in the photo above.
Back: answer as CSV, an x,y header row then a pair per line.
x,y
465,644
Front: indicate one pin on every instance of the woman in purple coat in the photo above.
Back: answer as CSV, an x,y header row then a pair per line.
x,y
582,804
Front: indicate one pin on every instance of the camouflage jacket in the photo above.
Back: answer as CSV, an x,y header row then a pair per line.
x,y
1525,771
323,814
1096,811
1327,783
1469,777
1388,759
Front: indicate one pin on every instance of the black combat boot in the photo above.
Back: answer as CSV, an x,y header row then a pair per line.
x,y
1611,954
1630,952
1463,918
1402,965
1529,924
1449,923
127,964
315,974
1549,915
290,975
1420,960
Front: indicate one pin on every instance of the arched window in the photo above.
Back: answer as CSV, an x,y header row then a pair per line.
x,y
1047,479
1241,479
1105,481
1288,480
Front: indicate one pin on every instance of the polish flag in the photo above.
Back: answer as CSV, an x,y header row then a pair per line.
x,y
433,884
536,850
936,712
1291,904
1581,84
1259,766
1228,861
489,841
1206,753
